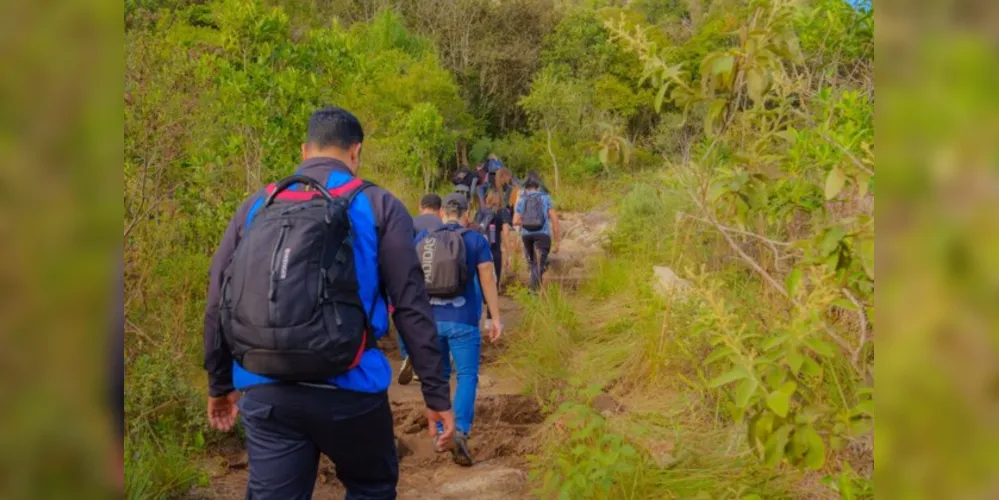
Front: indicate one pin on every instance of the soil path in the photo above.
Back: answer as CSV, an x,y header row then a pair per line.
x,y
505,421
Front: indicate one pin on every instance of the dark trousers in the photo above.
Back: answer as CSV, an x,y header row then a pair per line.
x,y
288,426
536,248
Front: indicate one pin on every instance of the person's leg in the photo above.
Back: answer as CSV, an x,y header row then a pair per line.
x,y
363,450
543,245
531,260
465,343
498,264
446,360
283,461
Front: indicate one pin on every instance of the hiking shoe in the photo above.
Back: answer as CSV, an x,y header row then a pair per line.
x,y
406,372
460,453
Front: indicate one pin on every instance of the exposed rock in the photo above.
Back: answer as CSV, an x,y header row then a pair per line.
x,y
668,283
606,406
483,481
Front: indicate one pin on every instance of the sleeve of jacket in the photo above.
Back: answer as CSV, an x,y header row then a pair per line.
x,y
218,358
403,281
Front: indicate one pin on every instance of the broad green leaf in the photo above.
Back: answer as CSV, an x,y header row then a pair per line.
x,y
776,445
756,84
718,354
714,114
843,303
867,256
728,377
722,65
661,95
794,362
793,281
865,408
747,388
830,242
815,457
863,185
835,182
821,347
779,402
774,341
810,367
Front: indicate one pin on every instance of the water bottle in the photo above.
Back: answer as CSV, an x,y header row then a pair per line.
x,y
492,233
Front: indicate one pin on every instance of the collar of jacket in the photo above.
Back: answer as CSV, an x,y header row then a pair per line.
x,y
324,163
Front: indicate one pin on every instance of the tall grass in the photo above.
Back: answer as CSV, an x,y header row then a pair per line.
x,y
620,338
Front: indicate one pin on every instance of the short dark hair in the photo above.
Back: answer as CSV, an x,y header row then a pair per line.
x,y
333,126
431,201
533,180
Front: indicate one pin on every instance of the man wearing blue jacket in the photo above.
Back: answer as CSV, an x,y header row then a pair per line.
x,y
348,418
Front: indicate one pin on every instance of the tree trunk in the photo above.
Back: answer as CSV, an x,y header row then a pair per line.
x,y
426,177
551,153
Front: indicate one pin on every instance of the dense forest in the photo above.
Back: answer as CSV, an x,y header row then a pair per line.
x,y
733,140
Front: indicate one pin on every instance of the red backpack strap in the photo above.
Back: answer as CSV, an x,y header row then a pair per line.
x,y
289,195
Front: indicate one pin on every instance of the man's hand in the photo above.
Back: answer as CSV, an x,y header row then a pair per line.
x,y
222,411
555,246
495,330
444,417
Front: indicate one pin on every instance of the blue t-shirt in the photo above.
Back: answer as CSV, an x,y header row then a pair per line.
x,y
547,200
467,307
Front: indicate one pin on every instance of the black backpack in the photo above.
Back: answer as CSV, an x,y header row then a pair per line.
x,y
442,257
463,177
290,307
534,217
483,219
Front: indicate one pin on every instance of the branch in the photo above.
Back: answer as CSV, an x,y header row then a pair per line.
x,y
843,344
135,222
856,161
764,239
862,316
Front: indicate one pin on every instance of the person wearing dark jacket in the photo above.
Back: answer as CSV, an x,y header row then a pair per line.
x,y
429,218
348,417
430,214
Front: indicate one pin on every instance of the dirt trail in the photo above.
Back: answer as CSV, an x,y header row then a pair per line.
x,y
505,421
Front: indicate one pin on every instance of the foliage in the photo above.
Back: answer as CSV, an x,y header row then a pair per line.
x,y
734,139
216,101
785,157
590,461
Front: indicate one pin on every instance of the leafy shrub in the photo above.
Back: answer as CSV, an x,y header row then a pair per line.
x,y
586,459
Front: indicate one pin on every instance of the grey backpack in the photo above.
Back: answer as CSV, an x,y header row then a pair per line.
x,y
442,256
290,306
534,217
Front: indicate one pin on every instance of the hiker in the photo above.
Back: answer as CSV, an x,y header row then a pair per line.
x,y
493,221
314,258
458,269
465,182
482,182
429,218
535,215
430,214
505,186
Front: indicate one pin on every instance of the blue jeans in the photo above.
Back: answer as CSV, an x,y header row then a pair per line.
x,y
463,342
402,349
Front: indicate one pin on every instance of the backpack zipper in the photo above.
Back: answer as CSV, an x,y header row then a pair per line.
x,y
276,263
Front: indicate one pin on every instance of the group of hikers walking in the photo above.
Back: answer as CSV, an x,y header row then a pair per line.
x,y
304,283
